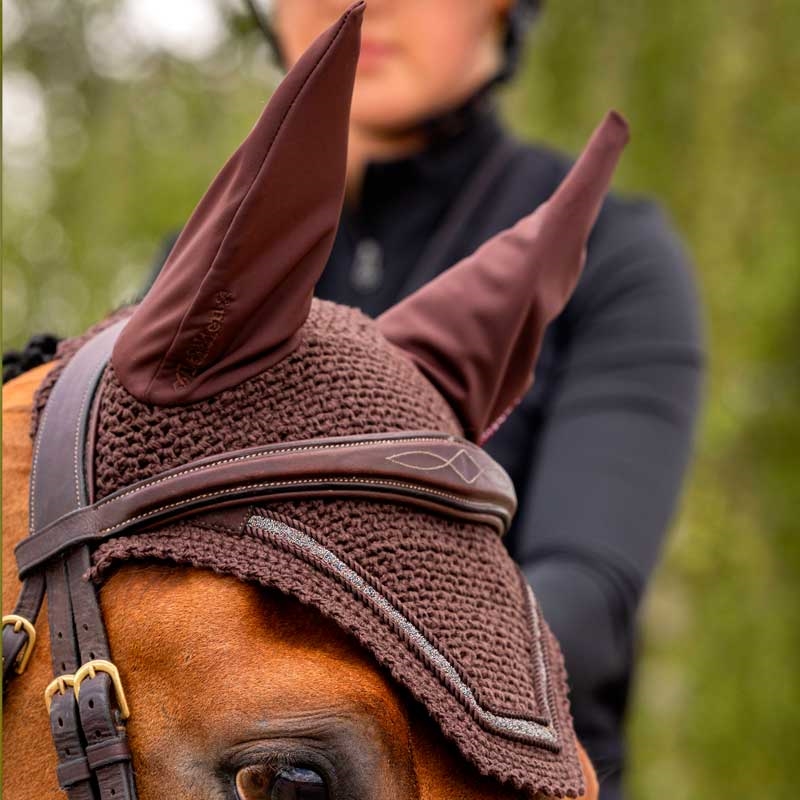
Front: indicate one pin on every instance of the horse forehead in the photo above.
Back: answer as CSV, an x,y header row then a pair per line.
x,y
252,651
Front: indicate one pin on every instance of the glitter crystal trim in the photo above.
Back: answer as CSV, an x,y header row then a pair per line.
x,y
535,732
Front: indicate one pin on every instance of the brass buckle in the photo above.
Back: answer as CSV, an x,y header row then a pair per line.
x,y
90,669
59,685
21,623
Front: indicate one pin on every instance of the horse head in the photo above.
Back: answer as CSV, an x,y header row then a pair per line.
x,y
284,510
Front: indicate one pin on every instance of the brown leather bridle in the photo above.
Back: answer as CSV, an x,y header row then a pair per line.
x,y
86,701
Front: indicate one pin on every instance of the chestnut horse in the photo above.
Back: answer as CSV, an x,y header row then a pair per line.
x,y
355,629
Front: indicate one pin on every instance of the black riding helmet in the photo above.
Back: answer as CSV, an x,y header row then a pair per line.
x,y
520,17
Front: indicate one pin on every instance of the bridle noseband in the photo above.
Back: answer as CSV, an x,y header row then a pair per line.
x,y
86,700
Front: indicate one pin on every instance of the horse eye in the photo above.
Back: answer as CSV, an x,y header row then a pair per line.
x,y
289,783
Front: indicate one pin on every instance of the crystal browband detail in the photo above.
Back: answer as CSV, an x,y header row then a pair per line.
x,y
536,732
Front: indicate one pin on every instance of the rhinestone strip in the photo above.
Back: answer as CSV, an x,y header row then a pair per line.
x,y
529,730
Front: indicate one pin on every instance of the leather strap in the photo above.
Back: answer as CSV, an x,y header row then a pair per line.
x,y
432,470
94,762
73,770
28,606
57,476
64,433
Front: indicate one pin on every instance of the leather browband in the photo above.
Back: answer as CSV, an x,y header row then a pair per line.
x,y
432,470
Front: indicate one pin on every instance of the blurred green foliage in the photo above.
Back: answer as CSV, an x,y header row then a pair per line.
x,y
127,141
712,91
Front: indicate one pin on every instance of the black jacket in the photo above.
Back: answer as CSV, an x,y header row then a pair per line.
x,y
598,448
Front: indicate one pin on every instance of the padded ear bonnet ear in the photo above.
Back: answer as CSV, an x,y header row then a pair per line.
x,y
476,330
237,286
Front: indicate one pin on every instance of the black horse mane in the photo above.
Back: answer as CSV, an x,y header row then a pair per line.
x,y
40,349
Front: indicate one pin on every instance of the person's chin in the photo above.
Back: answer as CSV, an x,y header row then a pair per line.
x,y
381,107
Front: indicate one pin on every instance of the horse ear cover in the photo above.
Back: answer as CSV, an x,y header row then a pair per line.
x,y
476,330
237,286
230,304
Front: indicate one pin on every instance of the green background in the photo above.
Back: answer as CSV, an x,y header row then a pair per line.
x,y
712,91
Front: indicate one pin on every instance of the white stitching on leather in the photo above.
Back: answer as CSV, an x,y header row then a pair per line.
x,y
90,386
478,507
444,463
35,471
259,454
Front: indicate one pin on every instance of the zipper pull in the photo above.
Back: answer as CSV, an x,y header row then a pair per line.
x,y
366,272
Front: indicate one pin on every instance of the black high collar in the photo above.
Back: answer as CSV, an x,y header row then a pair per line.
x,y
402,204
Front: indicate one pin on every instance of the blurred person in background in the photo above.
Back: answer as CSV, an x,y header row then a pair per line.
x,y
598,448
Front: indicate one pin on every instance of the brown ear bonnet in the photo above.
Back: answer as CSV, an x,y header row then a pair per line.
x,y
228,351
